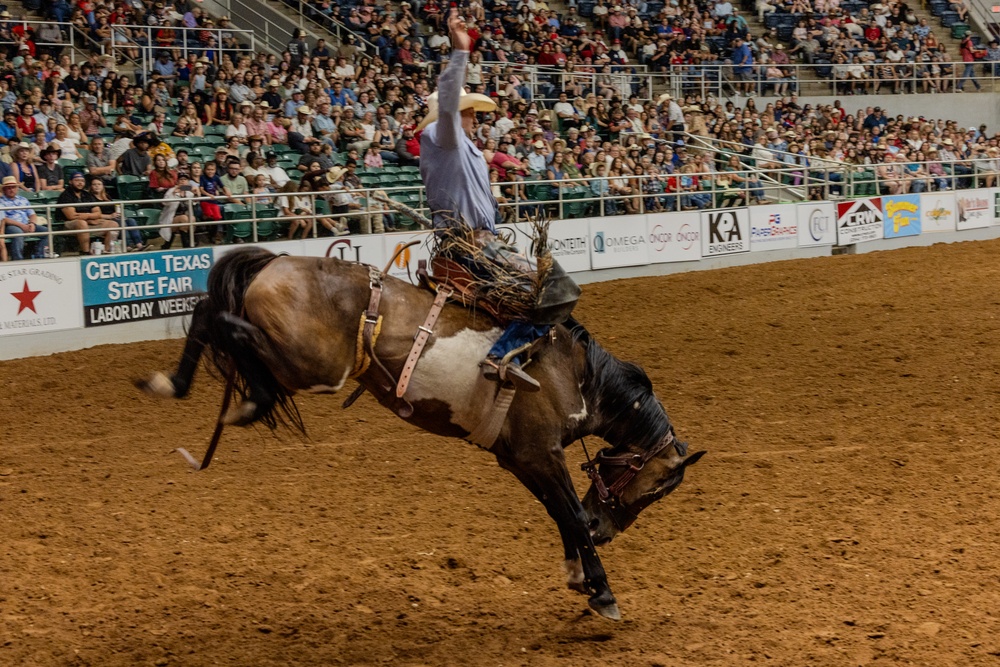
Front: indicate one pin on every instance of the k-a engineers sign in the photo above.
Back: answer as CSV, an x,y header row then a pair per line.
x,y
131,288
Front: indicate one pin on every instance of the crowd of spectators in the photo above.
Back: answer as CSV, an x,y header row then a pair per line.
x,y
223,122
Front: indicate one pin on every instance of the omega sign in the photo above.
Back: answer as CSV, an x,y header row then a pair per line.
x,y
619,241
725,232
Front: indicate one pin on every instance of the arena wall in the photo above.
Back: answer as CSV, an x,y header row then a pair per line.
x,y
67,304
969,110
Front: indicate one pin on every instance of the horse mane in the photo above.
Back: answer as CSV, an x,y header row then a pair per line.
x,y
613,388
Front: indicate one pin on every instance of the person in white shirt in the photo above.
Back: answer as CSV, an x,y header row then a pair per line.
x,y
279,177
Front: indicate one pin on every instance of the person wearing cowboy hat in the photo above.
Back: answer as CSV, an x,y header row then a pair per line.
x,y
19,220
457,185
136,161
671,117
50,173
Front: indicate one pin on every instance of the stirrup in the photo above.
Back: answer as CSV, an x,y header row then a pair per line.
x,y
503,372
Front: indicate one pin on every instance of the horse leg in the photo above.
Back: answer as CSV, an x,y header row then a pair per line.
x,y
177,385
548,479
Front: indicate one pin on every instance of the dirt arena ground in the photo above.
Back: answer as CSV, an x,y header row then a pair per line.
x,y
845,515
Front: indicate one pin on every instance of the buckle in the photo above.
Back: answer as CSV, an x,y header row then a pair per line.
x,y
426,330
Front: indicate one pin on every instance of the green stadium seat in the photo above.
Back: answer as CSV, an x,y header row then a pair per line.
x,y
132,187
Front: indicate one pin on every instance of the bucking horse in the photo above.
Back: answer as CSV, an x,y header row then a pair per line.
x,y
277,325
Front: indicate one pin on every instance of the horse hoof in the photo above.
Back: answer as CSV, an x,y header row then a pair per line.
x,y
158,385
241,415
605,605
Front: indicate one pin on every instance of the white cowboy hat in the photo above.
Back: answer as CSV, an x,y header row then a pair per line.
x,y
466,101
304,110
334,174
665,97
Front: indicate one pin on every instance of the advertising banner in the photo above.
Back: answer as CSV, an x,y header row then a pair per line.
x,y
131,288
974,208
39,296
674,237
618,241
569,244
277,247
937,212
859,221
817,223
996,206
404,266
773,227
902,215
725,232
367,249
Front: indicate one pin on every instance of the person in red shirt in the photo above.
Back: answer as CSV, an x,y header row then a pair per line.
x,y
968,51
26,121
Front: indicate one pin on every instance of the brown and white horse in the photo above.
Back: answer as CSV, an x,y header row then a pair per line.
x,y
289,324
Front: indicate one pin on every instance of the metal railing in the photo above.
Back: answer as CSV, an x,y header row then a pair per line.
x,y
186,41
528,197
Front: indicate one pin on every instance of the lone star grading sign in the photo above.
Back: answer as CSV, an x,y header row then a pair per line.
x,y
131,288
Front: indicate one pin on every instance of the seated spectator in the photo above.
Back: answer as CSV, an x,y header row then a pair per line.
x,y
111,212
136,160
80,212
50,173
20,220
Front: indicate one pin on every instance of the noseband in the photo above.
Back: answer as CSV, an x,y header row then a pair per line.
x,y
633,464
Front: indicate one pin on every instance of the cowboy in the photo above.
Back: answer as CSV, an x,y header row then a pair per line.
x,y
457,184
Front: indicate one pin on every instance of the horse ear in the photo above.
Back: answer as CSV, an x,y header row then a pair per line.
x,y
691,460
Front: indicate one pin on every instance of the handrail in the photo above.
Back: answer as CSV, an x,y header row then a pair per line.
x,y
341,28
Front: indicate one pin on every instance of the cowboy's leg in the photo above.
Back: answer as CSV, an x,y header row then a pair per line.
x,y
43,241
516,335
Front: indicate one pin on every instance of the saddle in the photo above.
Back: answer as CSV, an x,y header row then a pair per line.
x,y
448,275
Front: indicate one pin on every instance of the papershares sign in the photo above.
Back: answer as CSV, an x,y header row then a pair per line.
x,y
39,296
817,223
773,227
859,221
902,215
974,208
674,237
937,212
130,288
618,242
725,232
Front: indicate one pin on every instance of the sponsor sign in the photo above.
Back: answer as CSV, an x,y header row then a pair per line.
x,y
366,249
618,241
773,227
39,296
404,266
902,216
569,244
725,232
817,223
674,237
937,212
973,208
147,286
859,221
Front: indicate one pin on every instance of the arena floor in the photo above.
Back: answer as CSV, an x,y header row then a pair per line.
x,y
846,513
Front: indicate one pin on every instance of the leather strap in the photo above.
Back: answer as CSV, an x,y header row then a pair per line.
x,y
420,340
487,431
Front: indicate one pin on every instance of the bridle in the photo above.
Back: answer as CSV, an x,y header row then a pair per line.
x,y
633,464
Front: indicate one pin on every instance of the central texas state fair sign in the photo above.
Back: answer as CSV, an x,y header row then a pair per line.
x,y
859,221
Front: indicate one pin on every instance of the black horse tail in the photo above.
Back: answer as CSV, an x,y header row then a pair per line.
x,y
239,347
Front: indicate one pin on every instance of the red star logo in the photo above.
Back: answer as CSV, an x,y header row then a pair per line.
x,y
27,298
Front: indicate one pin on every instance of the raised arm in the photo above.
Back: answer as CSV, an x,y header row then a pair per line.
x,y
449,125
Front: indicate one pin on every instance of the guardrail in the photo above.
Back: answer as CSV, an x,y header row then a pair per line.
x,y
559,199
145,39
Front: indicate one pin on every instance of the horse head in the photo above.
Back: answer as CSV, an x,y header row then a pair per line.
x,y
625,482
645,461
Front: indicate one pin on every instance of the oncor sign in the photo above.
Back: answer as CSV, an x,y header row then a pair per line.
x,y
725,232
674,237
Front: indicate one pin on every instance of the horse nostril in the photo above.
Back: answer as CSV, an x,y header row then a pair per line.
x,y
594,523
